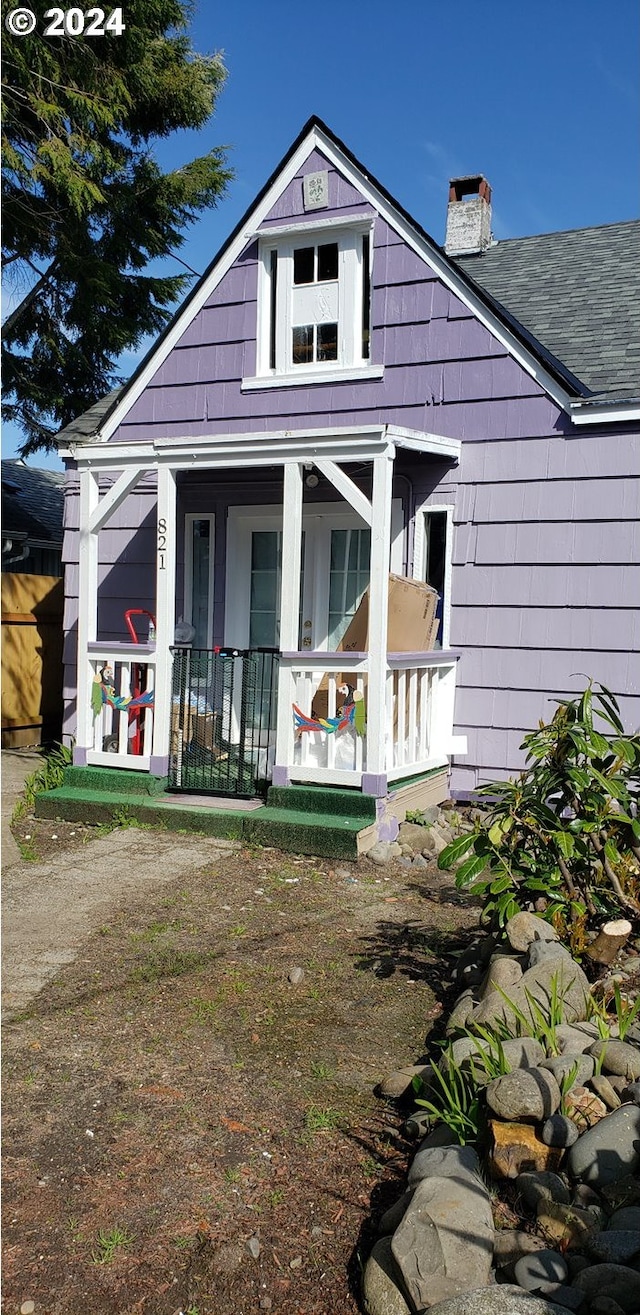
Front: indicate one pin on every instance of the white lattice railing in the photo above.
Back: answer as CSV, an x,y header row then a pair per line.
x,y
122,737
419,697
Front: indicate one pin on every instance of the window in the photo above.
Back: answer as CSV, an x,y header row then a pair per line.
x,y
314,304
198,577
433,555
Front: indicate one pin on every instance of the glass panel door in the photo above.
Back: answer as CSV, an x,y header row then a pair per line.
x,y
348,579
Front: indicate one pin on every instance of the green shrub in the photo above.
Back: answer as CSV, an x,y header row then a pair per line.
x,y
566,829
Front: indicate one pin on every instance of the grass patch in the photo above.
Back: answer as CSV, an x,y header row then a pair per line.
x,y
170,962
323,1119
109,1242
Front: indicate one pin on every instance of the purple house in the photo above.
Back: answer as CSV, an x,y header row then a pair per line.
x,y
340,397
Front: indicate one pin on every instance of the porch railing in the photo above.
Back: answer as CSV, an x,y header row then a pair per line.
x,y
122,700
419,696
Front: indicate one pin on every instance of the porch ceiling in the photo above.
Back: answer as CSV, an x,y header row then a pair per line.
x,y
276,447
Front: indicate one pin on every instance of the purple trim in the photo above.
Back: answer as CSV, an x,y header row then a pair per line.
x,y
280,776
387,825
375,785
159,766
80,757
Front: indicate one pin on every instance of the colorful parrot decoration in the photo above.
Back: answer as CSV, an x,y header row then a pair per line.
x,y
352,713
103,691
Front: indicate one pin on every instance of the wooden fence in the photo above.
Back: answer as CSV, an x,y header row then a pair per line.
x,y
32,608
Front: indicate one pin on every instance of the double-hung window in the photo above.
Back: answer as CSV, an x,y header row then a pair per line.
x,y
314,300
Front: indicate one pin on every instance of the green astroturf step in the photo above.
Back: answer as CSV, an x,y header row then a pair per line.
x,y
307,799
113,780
324,834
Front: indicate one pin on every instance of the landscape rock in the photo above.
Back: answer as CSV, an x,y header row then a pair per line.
x,y
413,836
572,1040
517,1147
504,973
459,1162
567,1225
419,862
632,1092
296,976
529,1094
542,950
609,1150
394,1215
540,1267
604,1305
399,1083
602,1087
559,1130
618,1057
535,1187
562,1065
621,1191
584,1108
511,1243
444,1244
384,851
463,1007
627,1217
537,984
614,1246
524,928
566,1296
381,1294
618,1281
504,1300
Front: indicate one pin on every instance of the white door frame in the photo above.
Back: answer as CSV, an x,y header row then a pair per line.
x,y
242,520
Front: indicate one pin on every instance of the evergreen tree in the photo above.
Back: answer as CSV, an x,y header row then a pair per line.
x,y
86,205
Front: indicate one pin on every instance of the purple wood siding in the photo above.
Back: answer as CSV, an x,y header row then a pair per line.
x,y
545,587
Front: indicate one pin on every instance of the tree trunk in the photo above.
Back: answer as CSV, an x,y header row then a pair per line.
x,y
609,940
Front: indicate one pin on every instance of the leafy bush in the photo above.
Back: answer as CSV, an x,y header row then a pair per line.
x,y
49,775
566,830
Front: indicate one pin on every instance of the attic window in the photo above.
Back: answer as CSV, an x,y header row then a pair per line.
x,y
313,303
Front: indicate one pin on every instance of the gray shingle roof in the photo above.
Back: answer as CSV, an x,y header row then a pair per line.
x,y
577,293
86,425
32,502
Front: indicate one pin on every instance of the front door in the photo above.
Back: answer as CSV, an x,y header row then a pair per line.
x,y
335,574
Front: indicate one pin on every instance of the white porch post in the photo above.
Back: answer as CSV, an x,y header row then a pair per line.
x,y
87,611
374,780
165,616
289,613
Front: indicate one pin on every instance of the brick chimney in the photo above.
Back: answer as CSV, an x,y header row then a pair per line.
x,y
468,216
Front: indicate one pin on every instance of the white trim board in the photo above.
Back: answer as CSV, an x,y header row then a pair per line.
x,y
316,139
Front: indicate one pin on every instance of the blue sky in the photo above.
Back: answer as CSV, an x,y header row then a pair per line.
x,y
543,98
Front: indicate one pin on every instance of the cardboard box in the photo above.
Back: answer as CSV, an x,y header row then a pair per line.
x,y
411,622
412,627
187,728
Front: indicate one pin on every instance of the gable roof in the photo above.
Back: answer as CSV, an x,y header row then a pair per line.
x,y
576,292
101,420
32,503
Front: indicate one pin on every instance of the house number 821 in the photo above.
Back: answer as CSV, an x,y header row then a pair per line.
x,y
162,543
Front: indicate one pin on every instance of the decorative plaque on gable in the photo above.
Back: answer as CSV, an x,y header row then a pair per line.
x,y
316,190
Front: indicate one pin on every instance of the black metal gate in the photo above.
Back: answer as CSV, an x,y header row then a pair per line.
x,y
223,720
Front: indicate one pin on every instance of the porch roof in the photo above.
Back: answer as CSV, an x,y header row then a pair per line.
x,y
274,447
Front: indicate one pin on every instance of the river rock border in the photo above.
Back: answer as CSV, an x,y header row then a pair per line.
x,y
563,1130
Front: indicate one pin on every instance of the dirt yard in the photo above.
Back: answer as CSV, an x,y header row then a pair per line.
x,y
185,1128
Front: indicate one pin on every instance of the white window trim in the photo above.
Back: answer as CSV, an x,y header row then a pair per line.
x,y
419,557
190,518
350,364
242,520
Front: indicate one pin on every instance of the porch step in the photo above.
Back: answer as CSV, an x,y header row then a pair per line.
x,y
307,799
113,780
299,832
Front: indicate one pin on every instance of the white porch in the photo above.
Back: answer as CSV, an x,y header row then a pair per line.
x,y
409,696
